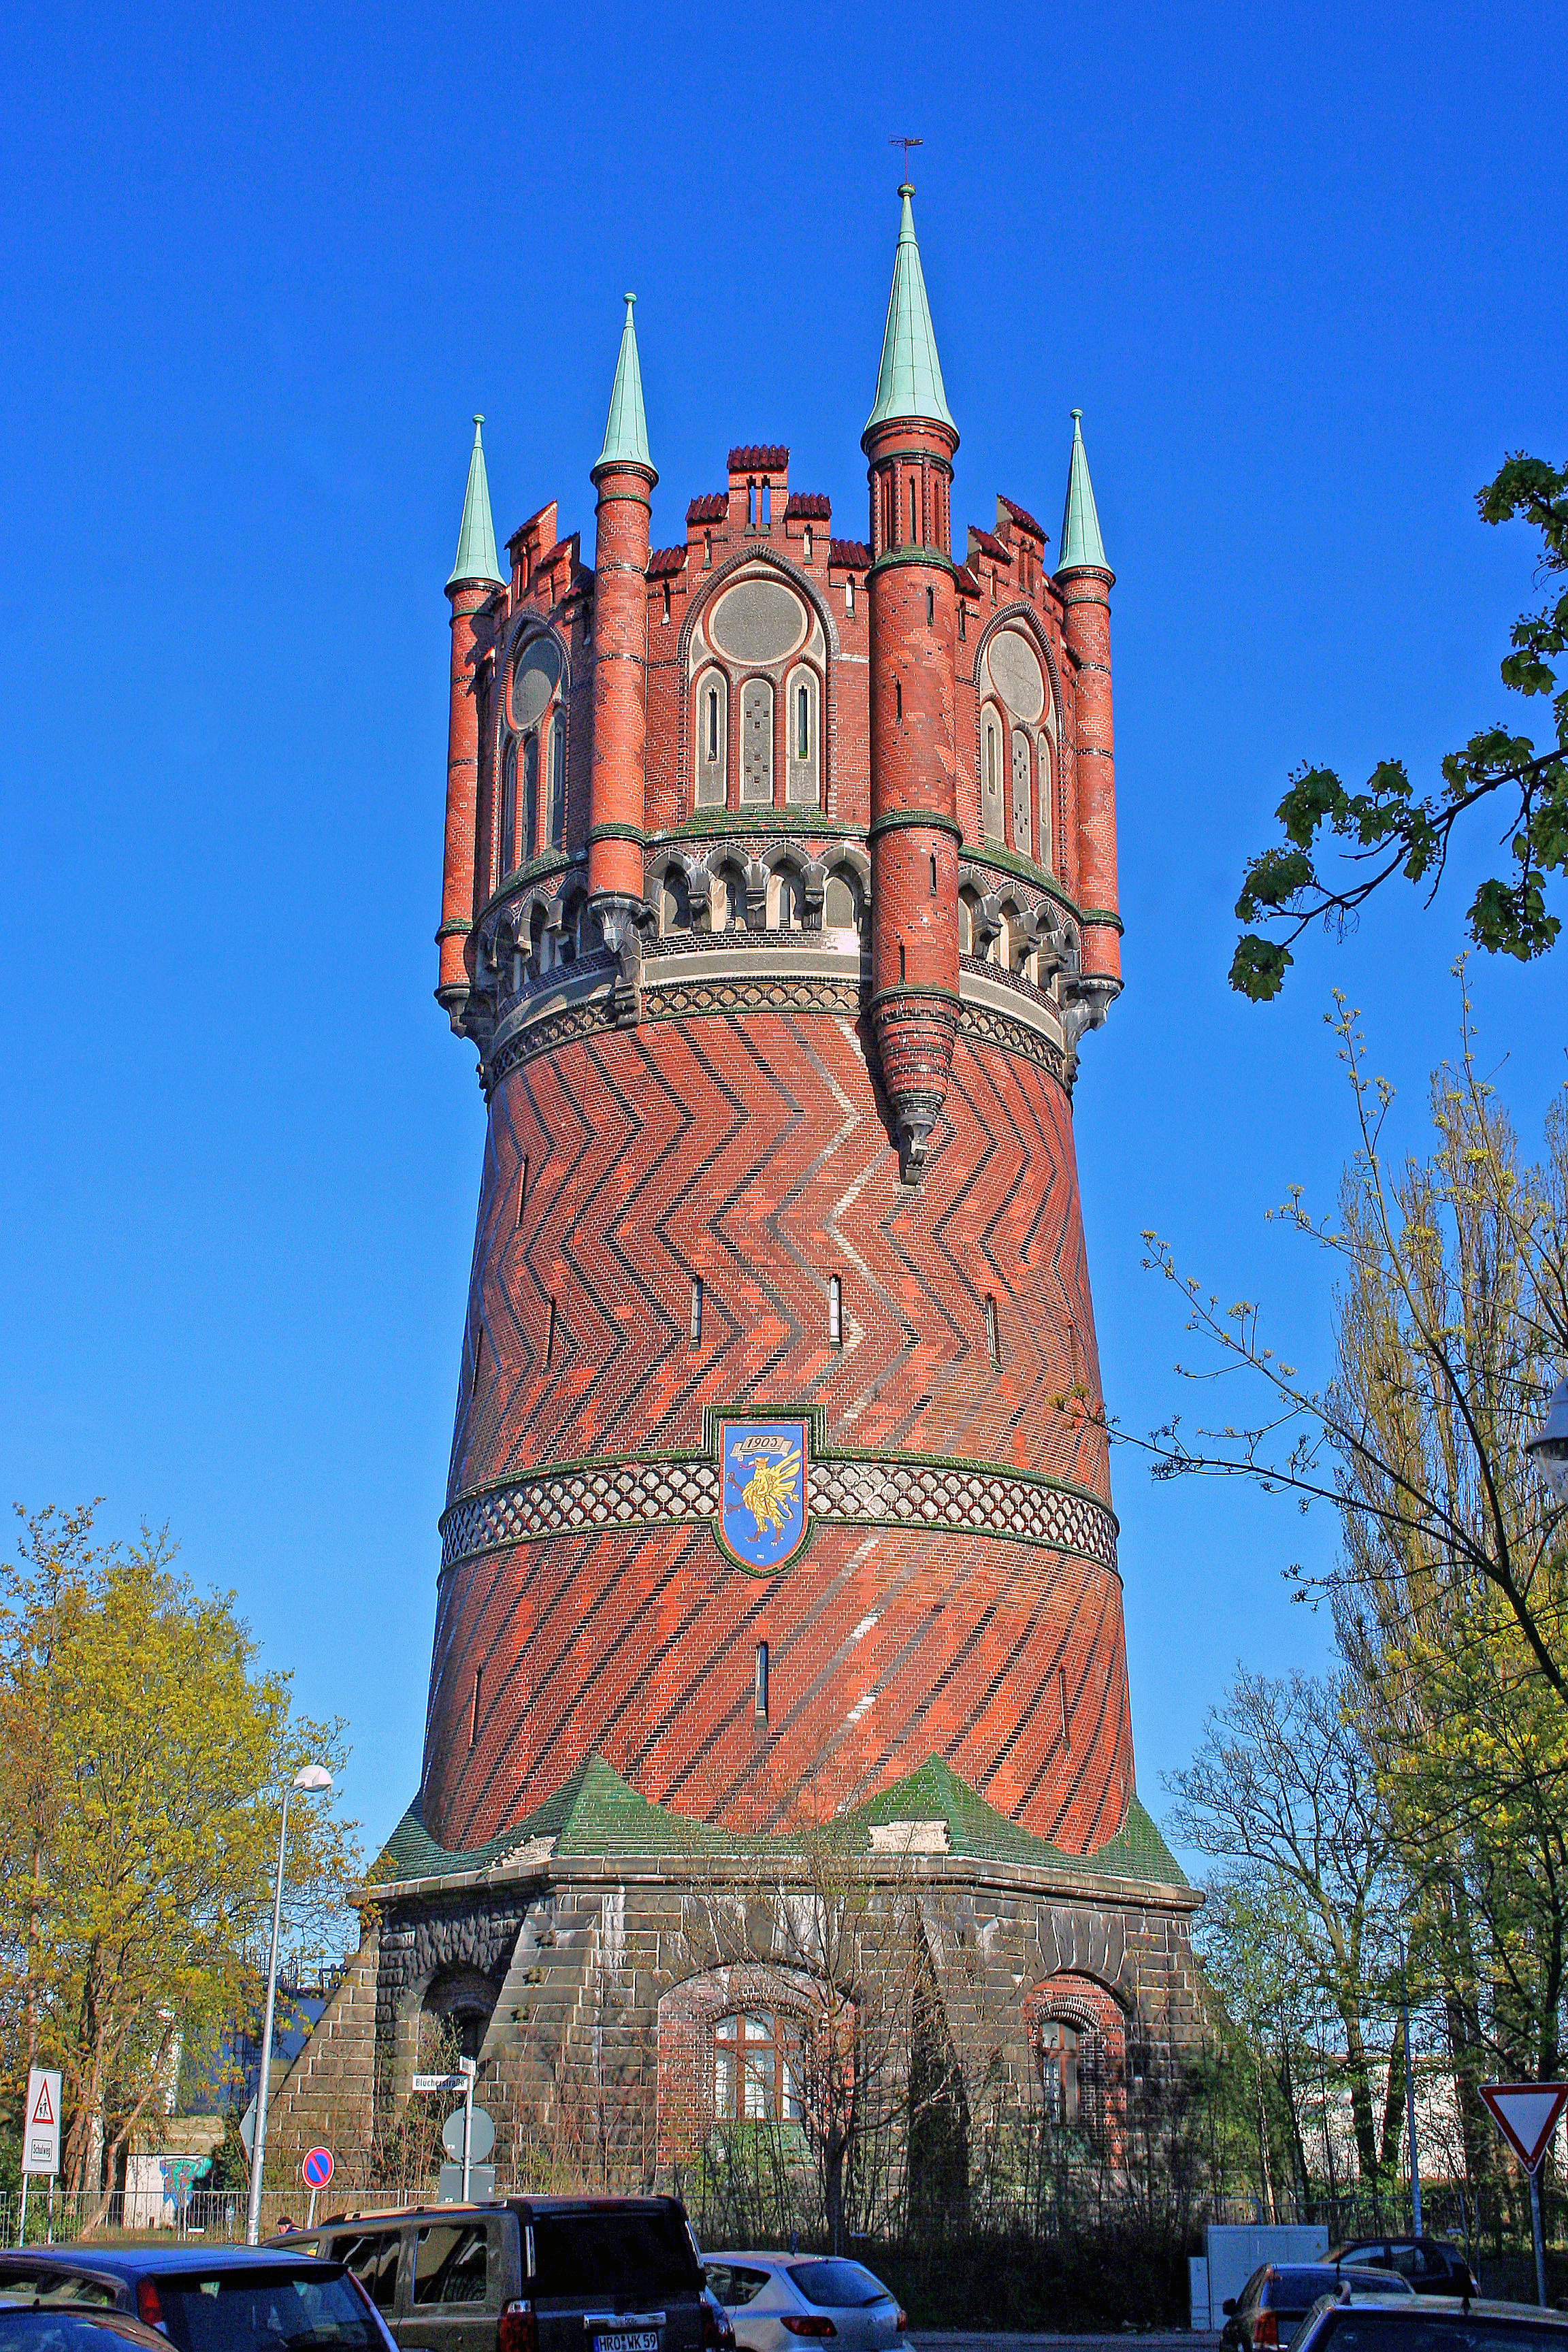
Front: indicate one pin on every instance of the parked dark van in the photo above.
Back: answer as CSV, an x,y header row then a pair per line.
x,y
533,2274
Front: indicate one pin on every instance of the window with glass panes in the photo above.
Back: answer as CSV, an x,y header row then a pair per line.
x,y
757,2069
1058,2055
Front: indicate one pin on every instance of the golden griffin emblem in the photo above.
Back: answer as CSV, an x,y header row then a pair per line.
x,y
769,1493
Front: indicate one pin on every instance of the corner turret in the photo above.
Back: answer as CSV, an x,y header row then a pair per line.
x,y
1085,579
909,440
624,478
474,579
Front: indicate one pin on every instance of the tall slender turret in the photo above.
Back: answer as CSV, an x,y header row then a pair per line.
x,y
625,478
474,580
1085,579
909,440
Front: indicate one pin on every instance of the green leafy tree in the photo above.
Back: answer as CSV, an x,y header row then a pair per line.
x,y
1284,1793
142,1758
1388,828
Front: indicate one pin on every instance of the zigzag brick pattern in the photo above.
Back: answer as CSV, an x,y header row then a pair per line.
x,y
751,1151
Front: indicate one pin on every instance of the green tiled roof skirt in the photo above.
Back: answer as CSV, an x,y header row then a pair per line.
x,y
596,1813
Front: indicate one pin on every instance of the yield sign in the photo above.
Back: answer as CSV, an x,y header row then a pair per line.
x,y
1526,2114
43,2107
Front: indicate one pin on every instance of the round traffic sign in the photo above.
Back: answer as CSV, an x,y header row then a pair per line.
x,y
317,2168
481,2138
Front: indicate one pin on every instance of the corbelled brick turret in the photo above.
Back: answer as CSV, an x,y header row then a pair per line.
x,y
909,440
473,581
1085,579
624,480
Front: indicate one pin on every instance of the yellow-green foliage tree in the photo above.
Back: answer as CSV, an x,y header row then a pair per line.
x,y
143,1753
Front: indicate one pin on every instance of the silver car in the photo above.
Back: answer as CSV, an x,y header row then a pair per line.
x,y
776,2300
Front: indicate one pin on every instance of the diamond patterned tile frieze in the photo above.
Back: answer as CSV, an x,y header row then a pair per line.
x,y
865,1493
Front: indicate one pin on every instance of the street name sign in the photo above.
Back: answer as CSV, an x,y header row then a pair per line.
x,y
440,2082
1526,2114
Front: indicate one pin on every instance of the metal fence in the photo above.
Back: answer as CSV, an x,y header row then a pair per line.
x,y
216,2215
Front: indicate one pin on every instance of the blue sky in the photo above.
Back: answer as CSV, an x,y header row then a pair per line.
x,y
1302,270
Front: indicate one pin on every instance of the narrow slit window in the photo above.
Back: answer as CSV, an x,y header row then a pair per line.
x,y
836,1311
550,1338
1062,1686
933,874
992,1334
850,596
474,1717
963,616
930,608
751,506
767,506
522,1189
707,551
901,974
760,1682
914,513
897,698
806,543
667,604
712,722
696,1312
803,723
478,1354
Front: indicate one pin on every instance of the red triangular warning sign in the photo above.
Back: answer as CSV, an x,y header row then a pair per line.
x,y
43,2111
1526,2114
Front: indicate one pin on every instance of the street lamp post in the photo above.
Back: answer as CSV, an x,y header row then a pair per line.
x,y
1548,1449
311,1780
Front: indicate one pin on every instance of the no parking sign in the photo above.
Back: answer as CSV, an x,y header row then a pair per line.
x,y
315,2172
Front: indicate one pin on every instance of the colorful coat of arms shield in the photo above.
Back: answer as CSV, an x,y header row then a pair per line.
x,y
765,1468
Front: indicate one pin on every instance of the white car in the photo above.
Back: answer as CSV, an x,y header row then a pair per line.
x,y
776,2300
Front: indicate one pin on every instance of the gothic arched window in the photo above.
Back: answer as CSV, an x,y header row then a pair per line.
x,y
557,782
505,832
991,792
713,713
530,801
804,768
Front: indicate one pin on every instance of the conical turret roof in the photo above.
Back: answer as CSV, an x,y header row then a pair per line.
x,y
1081,543
909,384
477,538
625,434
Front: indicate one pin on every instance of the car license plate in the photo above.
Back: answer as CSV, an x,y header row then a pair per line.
x,y
629,2339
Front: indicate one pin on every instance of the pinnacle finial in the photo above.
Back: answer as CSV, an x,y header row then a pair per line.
x,y
625,431
1082,549
910,382
477,538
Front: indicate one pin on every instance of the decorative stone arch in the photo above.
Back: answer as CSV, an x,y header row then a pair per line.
x,y
848,860
1101,2016
689,2015
788,871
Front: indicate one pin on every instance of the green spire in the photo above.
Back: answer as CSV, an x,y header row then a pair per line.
x,y
477,540
909,384
1081,542
625,434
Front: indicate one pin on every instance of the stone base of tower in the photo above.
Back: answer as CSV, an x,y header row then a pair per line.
x,y
603,1990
